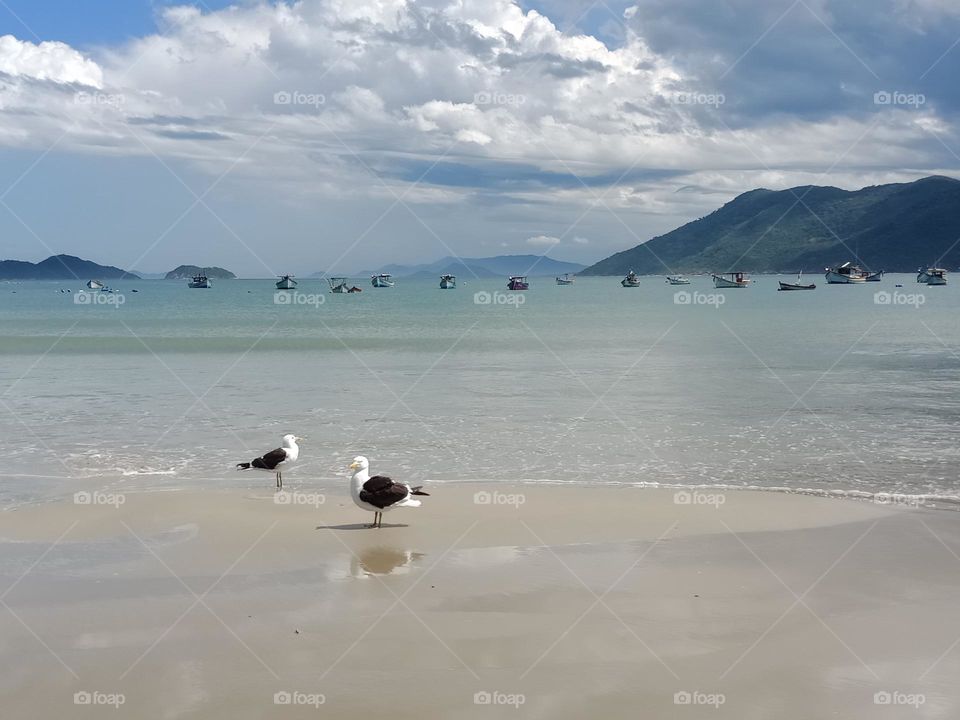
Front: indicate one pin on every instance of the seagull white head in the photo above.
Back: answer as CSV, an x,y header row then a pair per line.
x,y
291,440
360,463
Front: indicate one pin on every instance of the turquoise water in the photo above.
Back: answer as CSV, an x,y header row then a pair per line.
x,y
824,390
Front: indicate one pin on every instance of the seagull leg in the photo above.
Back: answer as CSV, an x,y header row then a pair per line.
x,y
279,479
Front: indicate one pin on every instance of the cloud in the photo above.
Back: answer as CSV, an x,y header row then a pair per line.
x,y
52,61
543,240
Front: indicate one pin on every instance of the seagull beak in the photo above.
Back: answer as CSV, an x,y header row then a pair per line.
x,y
354,466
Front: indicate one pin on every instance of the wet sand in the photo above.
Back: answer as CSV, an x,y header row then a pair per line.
x,y
522,601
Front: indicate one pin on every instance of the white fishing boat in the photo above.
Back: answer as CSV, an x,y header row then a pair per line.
x,y
565,279
846,274
95,285
730,280
200,281
286,282
677,280
932,276
631,280
797,285
338,284
381,280
448,282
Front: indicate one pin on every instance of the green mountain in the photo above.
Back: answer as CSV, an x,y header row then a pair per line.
x,y
61,267
896,228
186,272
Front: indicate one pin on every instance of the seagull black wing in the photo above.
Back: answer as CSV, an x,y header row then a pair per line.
x,y
380,491
269,461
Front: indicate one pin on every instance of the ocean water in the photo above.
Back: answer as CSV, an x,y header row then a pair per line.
x,y
835,390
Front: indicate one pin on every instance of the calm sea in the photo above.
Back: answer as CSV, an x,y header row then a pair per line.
x,y
833,390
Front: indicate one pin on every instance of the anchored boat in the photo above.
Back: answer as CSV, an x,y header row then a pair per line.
x,y
730,280
95,285
338,284
677,280
382,280
518,282
448,282
286,282
565,279
846,274
932,276
631,280
797,285
200,281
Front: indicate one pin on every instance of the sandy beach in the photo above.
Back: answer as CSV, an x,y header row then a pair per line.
x,y
508,601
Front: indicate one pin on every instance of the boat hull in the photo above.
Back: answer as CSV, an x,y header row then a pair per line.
x,y
794,286
518,286
448,283
722,282
381,282
835,278
287,285
932,276
200,284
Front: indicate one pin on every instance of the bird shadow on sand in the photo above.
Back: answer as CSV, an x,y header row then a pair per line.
x,y
360,526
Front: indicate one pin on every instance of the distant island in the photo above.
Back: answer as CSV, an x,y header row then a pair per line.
x,y
896,227
186,272
499,266
62,267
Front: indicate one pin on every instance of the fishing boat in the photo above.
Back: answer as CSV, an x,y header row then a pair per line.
x,y
730,280
94,284
200,281
846,274
286,282
448,282
631,280
518,282
382,280
338,284
677,280
932,276
874,276
565,279
797,285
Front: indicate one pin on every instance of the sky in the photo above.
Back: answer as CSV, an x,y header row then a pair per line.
x,y
332,135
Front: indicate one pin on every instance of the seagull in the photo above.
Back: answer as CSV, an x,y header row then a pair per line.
x,y
288,452
379,493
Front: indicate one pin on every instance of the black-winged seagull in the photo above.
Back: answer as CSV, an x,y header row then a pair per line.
x,y
287,453
379,493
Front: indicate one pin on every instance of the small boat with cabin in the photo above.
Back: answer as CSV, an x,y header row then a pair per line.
x,y
631,280
730,280
565,279
932,276
286,282
677,280
338,284
518,282
382,280
846,274
448,282
95,285
200,281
